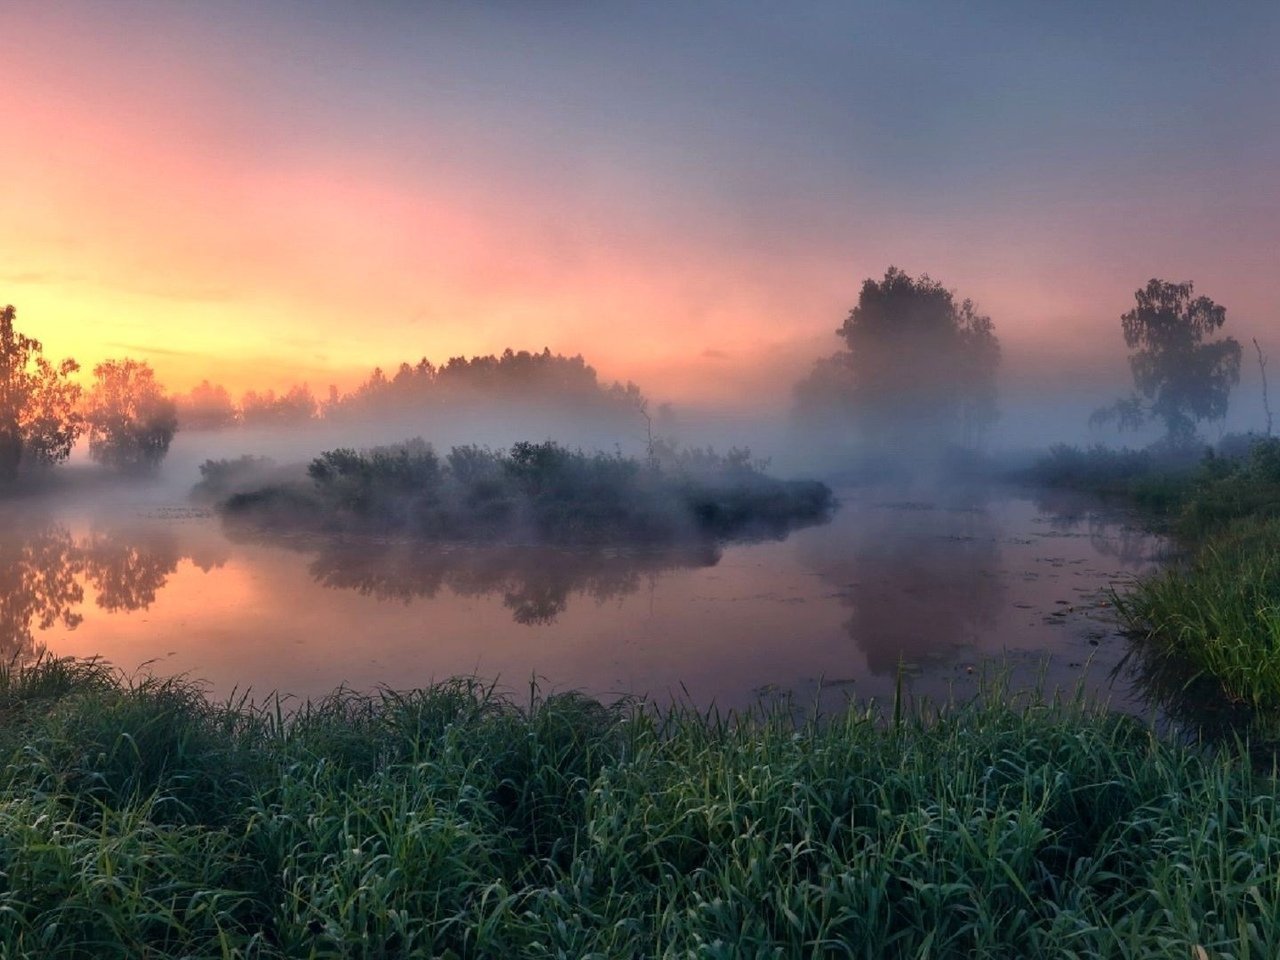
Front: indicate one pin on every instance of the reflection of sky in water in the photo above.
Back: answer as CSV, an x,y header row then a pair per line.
x,y
937,585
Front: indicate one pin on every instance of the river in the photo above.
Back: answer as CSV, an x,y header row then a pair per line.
x,y
930,590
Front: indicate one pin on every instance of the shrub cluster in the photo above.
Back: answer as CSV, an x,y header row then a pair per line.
x,y
1233,488
1196,490
537,491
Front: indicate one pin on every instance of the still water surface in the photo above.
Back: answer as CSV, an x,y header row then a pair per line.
x,y
939,585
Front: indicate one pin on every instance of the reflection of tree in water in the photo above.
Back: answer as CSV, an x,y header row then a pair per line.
x,y
44,567
921,578
1111,531
535,582
128,571
38,587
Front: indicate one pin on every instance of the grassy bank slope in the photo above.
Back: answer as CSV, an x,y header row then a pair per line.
x,y
142,820
1207,630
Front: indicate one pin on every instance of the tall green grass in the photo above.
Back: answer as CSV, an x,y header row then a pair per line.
x,y
1215,617
138,819
1206,632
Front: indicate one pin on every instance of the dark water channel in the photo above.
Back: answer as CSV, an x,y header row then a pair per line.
x,y
937,587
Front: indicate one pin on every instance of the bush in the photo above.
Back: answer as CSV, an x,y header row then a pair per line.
x,y
220,479
535,491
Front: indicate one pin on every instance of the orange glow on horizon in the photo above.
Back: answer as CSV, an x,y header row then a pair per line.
x,y
155,210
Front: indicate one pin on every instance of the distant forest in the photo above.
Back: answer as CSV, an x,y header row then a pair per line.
x,y
545,379
130,419
915,374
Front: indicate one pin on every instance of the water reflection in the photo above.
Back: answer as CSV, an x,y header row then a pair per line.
x,y
39,586
127,570
938,582
535,583
1108,531
1182,693
922,578
1197,705
45,568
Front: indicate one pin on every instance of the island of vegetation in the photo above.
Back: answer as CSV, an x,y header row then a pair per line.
x,y
541,492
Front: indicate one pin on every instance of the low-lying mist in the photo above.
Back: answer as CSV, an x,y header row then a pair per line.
x,y
539,492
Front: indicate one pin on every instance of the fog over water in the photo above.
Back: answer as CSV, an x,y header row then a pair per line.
x,y
897,251
937,582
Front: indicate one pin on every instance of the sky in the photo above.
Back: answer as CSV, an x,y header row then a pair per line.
x,y
690,194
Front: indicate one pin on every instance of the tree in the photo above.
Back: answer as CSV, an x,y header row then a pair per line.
x,y
919,366
1182,374
296,406
131,421
39,423
207,407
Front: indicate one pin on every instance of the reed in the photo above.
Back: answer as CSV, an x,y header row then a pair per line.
x,y
139,818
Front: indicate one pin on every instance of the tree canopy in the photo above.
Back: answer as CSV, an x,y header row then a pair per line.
x,y
919,365
514,376
297,405
1182,372
39,422
131,420
207,406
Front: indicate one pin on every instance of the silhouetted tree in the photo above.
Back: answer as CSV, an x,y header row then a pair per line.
x,y
918,365
1181,373
296,406
514,376
207,407
131,421
38,418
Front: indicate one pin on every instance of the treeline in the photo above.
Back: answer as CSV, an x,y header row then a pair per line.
x,y
44,411
916,374
130,420
549,379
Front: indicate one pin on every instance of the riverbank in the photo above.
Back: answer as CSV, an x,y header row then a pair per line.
x,y
141,819
1206,631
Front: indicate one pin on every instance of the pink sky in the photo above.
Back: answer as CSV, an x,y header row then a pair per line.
x,y
262,200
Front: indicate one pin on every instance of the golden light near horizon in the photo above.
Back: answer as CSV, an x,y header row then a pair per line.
x,y
266,198
487,433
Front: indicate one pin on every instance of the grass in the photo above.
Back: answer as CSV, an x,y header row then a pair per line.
x,y
1216,617
1158,481
1193,495
139,819
1206,631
